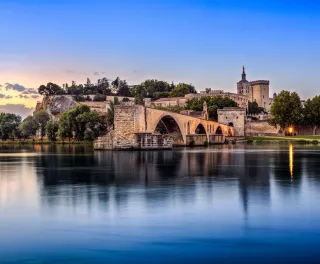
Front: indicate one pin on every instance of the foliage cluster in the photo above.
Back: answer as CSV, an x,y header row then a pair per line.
x,y
213,103
287,110
153,89
79,123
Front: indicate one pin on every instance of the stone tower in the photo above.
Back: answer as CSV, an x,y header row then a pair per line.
x,y
243,87
257,91
260,93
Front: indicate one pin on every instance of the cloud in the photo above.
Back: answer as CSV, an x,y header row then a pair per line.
x,y
30,91
23,96
34,96
96,73
18,109
3,96
15,87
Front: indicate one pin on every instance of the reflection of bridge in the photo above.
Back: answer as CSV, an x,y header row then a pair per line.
x,y
136,123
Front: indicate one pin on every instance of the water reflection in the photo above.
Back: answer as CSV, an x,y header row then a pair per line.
x,y
235,194
291,160
69,174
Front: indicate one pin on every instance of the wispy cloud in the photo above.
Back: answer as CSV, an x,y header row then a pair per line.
x,y
3,96
14,87
30,91
18,109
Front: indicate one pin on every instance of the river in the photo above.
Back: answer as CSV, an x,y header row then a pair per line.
x,y
223,204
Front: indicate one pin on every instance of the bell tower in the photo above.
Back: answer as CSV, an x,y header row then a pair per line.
x,y
244,76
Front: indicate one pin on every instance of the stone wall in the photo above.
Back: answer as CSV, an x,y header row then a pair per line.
x,y
124,129
197,140
260,128
217,139
152,141
105,142
233,116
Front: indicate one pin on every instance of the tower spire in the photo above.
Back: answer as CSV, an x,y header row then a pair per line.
x,y
244,76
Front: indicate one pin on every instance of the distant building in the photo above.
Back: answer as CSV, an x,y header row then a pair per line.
x,y
257,91
172,101
241,100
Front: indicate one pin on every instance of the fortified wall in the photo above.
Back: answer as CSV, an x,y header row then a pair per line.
x,y
233,116
260,128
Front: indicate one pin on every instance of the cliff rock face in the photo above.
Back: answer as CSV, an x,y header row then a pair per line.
x,y
56,105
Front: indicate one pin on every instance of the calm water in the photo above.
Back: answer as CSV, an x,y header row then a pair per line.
x,y
228,204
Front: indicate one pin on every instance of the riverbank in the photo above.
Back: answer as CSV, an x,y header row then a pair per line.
x,y
284,139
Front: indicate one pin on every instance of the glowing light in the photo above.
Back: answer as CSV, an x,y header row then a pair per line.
x,y
290,129
291,160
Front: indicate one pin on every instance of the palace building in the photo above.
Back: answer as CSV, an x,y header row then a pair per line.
x,y
257,91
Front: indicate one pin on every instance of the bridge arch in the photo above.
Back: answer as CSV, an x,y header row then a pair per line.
x,y
167,124
219,131
200,129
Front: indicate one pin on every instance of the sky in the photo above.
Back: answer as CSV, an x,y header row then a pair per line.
x,y
202,42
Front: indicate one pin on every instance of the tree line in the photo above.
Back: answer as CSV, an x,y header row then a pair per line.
x,y
79,124
287,110
153,89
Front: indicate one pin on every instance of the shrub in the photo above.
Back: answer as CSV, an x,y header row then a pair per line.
x,y
79,98
99,98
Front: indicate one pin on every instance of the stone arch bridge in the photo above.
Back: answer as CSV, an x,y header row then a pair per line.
x,y
136,126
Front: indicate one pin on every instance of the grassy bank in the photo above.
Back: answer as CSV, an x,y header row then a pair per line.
x,y
285,139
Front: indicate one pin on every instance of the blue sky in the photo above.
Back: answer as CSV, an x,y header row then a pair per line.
x,y
195,41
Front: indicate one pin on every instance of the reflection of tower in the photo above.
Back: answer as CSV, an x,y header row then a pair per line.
x,y
254,179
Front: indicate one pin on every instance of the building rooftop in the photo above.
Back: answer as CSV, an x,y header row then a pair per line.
x,y
169,99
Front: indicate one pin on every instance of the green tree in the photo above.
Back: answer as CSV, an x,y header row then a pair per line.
x,y
286,110
153,89
182,89
88,87
52,128
95,124
9,126
115,85
50,89
139,93
124,89
110,113
28,127
254,109
103,86
42,117
311,113
65,126
213,102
